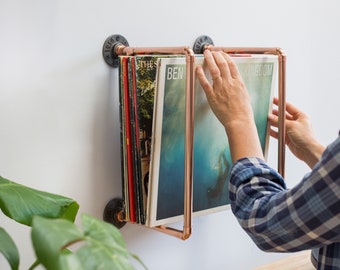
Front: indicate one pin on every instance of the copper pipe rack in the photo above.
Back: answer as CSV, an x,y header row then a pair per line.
x,y
117,45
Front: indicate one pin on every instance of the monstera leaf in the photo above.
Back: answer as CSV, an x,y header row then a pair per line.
x,y
21,203
100,245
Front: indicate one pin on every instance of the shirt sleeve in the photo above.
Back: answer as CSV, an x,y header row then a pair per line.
x,y
286,220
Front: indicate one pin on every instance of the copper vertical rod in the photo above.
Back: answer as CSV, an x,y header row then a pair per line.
x,y
282,113
189,128
189,142
281,91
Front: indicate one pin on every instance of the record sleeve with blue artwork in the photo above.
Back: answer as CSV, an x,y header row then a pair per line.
x,y
211,161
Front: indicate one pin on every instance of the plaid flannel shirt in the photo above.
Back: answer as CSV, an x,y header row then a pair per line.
x,y
288,220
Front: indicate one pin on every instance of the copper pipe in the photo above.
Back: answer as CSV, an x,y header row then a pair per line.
x,y
189,142
122,50
184,234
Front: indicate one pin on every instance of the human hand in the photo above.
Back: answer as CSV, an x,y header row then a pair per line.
x,y
229,100
227,95
299,135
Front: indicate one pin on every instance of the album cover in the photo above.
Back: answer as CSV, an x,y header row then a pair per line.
x,y
212,161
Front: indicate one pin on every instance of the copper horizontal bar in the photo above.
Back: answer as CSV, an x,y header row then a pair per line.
x,y
122,50
184,234
250,50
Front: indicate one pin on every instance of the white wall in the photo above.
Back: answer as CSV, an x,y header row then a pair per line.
x,y
58,102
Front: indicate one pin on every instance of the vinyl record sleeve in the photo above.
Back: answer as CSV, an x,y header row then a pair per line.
x,y
211,161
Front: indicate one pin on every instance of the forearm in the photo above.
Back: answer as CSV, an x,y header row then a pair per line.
x,y
259,201
275,218
243,140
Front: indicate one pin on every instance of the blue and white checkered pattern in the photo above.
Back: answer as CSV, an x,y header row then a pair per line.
x,y
288,220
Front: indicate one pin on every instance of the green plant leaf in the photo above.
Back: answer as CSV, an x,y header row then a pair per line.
x,y
102,245
105,247
21,203
103,232
9,249
70,262
50,237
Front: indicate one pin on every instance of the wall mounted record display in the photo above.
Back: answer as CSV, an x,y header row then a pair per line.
x,y
164,118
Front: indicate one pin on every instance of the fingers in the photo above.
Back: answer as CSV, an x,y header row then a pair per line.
x,y
207,87
222,69
273,120
292,112
274,133
213,62
232,67
287,115
220,65
276,101
216,65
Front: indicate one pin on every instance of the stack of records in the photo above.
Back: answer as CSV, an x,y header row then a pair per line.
x,y
152,115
